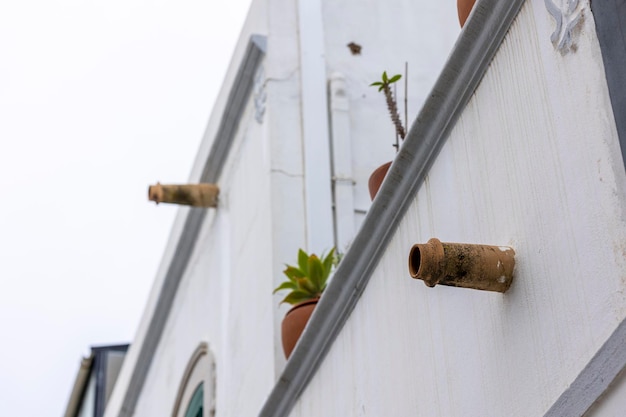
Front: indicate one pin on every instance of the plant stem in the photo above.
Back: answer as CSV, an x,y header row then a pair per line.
x,y
406,94
393,111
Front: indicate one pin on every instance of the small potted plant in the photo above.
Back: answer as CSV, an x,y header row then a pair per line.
x,y
384,85
305,284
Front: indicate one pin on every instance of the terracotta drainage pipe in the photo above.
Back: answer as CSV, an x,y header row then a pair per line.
x,y
197,195
480,267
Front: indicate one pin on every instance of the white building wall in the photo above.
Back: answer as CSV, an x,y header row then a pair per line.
x,y
205,321
519,169
225,296
247,310
284,144
533,163
390,33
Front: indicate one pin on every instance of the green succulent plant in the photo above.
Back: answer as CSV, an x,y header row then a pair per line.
x,y
308,279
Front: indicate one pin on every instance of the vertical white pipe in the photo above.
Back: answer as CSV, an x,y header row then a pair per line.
x,y
317,180
341,161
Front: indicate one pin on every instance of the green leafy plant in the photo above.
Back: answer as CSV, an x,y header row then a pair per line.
x,y
384,85
308,279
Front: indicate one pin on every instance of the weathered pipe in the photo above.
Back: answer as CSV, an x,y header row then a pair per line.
x,y
480,267
197,195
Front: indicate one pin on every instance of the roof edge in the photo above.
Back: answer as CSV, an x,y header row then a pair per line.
x,y
80,384
477,45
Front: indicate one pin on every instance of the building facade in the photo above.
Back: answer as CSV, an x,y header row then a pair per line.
x,y
517,144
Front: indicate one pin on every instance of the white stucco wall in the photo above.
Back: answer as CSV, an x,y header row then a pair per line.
x,y
420,33
202,310
389,36
534,163
218,299
225,296
284,149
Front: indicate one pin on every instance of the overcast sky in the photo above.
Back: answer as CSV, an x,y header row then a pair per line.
x,y
98,99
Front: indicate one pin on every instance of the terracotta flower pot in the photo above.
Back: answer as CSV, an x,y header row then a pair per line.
x,y
294,322
377,178
464,7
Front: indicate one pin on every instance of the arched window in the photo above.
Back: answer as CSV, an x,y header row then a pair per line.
x,y
196,392
194,409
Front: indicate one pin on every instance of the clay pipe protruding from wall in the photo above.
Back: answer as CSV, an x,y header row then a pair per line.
x,y
480,267
196,195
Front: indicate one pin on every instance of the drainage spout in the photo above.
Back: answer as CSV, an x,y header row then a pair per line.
x,y
480,267
197,195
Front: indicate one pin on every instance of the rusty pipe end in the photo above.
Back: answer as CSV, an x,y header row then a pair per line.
x,y
155,193
425,261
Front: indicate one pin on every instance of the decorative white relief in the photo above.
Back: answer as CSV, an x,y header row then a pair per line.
x,y
259,94
567,14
